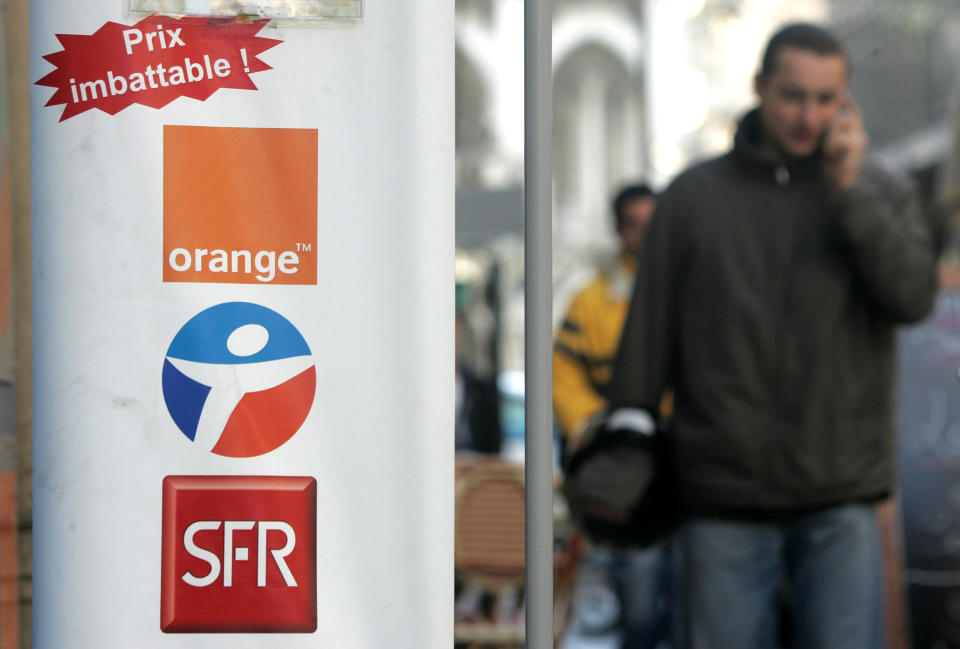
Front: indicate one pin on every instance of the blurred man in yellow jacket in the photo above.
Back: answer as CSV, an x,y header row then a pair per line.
x,y
584,350
586,342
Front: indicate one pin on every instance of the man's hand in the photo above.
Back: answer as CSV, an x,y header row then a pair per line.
x,y
845,145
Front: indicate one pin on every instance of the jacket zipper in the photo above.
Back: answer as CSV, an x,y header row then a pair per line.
x,y
781,175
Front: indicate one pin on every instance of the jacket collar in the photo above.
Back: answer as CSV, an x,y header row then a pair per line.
x,y
620,275
746,149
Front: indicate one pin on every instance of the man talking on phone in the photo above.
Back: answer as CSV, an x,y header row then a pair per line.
x,y
770,285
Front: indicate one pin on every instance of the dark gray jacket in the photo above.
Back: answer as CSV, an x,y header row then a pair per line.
x,y
769,304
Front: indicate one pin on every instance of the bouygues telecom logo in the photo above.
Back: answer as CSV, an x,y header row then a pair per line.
x,y
239,205
239,379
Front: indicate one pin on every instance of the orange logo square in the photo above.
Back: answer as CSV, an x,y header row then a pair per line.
x,y
239,205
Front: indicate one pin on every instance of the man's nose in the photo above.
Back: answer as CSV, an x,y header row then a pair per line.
x,y
808,113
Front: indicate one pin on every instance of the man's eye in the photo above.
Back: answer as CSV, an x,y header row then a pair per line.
x,y
792,95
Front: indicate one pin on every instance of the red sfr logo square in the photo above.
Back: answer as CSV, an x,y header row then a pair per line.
x,y
239,554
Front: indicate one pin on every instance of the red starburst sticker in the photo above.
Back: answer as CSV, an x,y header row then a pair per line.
x,y
153,62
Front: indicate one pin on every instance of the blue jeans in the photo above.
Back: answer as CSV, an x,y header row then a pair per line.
x,y
826,565
641,579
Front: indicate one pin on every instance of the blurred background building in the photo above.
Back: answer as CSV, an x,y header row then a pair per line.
x,y
15,346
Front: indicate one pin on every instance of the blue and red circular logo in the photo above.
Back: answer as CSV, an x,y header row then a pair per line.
x,y
239,379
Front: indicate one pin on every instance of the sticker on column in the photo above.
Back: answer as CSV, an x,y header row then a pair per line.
x,y
154,62
218,227
239,554
238,380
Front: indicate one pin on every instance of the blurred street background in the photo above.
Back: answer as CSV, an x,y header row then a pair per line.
x,y
642,89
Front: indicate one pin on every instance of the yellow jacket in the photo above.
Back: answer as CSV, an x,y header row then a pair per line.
x,y
586,344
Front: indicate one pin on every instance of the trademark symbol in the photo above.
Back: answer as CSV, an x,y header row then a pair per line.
x,y
303,247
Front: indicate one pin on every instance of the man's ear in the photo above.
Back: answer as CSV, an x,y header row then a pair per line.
x,y
758,82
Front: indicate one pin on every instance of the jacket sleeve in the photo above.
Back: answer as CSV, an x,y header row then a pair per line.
x,y
891,245
644,366
575,399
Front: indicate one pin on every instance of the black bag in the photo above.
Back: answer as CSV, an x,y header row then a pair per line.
x,y
620,481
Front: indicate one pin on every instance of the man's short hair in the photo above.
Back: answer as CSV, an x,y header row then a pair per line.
x,y
629,194
801,36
